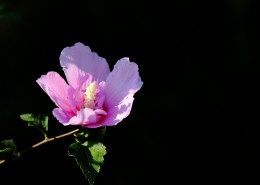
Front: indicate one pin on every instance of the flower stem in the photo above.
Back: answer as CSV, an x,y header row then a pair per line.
x,y
46,140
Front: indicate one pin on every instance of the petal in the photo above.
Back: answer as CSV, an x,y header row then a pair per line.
x,y
118,113
122,81
61,116
84,117
79,60
100,114
77,96
57,89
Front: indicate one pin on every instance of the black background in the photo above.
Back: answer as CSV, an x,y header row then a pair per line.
x,y
196,117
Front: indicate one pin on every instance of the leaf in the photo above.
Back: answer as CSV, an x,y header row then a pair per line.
x,y
7,149
38,121
89,156
7,15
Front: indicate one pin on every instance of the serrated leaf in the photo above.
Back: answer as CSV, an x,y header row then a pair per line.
x,y
38,121
89,156
97,150
7,149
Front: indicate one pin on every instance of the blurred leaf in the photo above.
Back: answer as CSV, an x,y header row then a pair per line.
x,y
38,121
7,149
89,156
7,14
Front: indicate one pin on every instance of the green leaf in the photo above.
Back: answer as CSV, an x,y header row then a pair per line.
x,y
7,149
89,156
38,121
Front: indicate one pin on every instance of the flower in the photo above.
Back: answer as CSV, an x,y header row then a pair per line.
x,y
92,96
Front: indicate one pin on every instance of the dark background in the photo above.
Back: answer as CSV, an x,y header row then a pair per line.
x,y
195,120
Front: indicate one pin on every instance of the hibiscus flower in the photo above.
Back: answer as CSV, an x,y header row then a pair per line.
x,y
92,96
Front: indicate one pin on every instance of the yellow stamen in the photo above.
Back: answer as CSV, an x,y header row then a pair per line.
x,y
90,95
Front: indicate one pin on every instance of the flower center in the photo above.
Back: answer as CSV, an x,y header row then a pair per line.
x,y
90,95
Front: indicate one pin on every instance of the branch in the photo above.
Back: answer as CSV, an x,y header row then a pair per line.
x,y
46,140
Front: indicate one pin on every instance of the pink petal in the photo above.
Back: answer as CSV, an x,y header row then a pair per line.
x,y
57,89
84,117
61,116
79,60
118,113
77,96
122,81
100,114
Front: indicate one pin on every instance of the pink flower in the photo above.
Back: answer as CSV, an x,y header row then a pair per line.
x,y
93,96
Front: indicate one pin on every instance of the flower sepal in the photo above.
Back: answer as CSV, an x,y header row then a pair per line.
x,y
90,134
